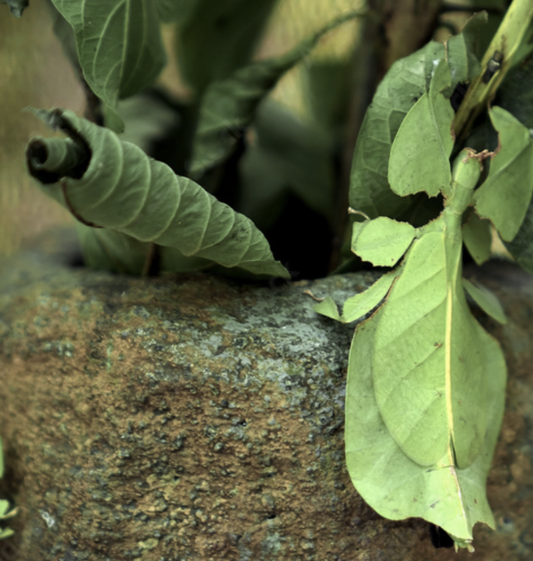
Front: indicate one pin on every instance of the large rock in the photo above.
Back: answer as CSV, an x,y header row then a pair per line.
x,y
190,417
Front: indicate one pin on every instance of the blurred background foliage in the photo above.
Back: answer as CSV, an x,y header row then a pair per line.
x,y
34,72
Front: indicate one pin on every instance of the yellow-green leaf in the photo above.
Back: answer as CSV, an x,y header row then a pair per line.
x,y
382,241
505,195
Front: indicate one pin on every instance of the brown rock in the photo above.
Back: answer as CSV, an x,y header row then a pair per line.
x,y
190,417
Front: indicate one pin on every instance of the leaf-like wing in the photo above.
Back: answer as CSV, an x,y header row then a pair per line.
x,y
218,37
382,241
402,86
486,300
428,353
125,190
229,105
419,157
392,483
357,306
505,195
477,236
119,45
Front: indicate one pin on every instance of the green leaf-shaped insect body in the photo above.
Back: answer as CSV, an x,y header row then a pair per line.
x,y
427,346
428,366
425,390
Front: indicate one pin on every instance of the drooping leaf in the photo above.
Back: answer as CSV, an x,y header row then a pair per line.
x,y
218,37
357,306
462,49
486,300
229,105
419,157
505,195
392,483
16,7
119,45
477,236
382,241
117,186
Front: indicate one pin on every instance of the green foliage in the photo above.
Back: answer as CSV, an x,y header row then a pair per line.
x,y
426,383
505,196
405,85
123,190
215,39
230,105
119,46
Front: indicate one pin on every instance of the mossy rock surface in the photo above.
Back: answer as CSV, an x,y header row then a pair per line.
x,y
192,417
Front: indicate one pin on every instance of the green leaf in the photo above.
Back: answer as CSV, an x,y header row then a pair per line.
x,y
229,105
521,248
477,236
16,7
287,157
119,45
506,193
328,83
357,306
118,187
4,508
219,37
6,533
462,49
402,86
516,96
392,483
382,241
419,157
148,118
174,10
486,300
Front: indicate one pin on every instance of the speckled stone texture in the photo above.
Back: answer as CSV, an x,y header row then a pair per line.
x,y
193,418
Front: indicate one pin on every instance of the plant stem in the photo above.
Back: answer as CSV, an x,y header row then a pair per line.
x,y
503,52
